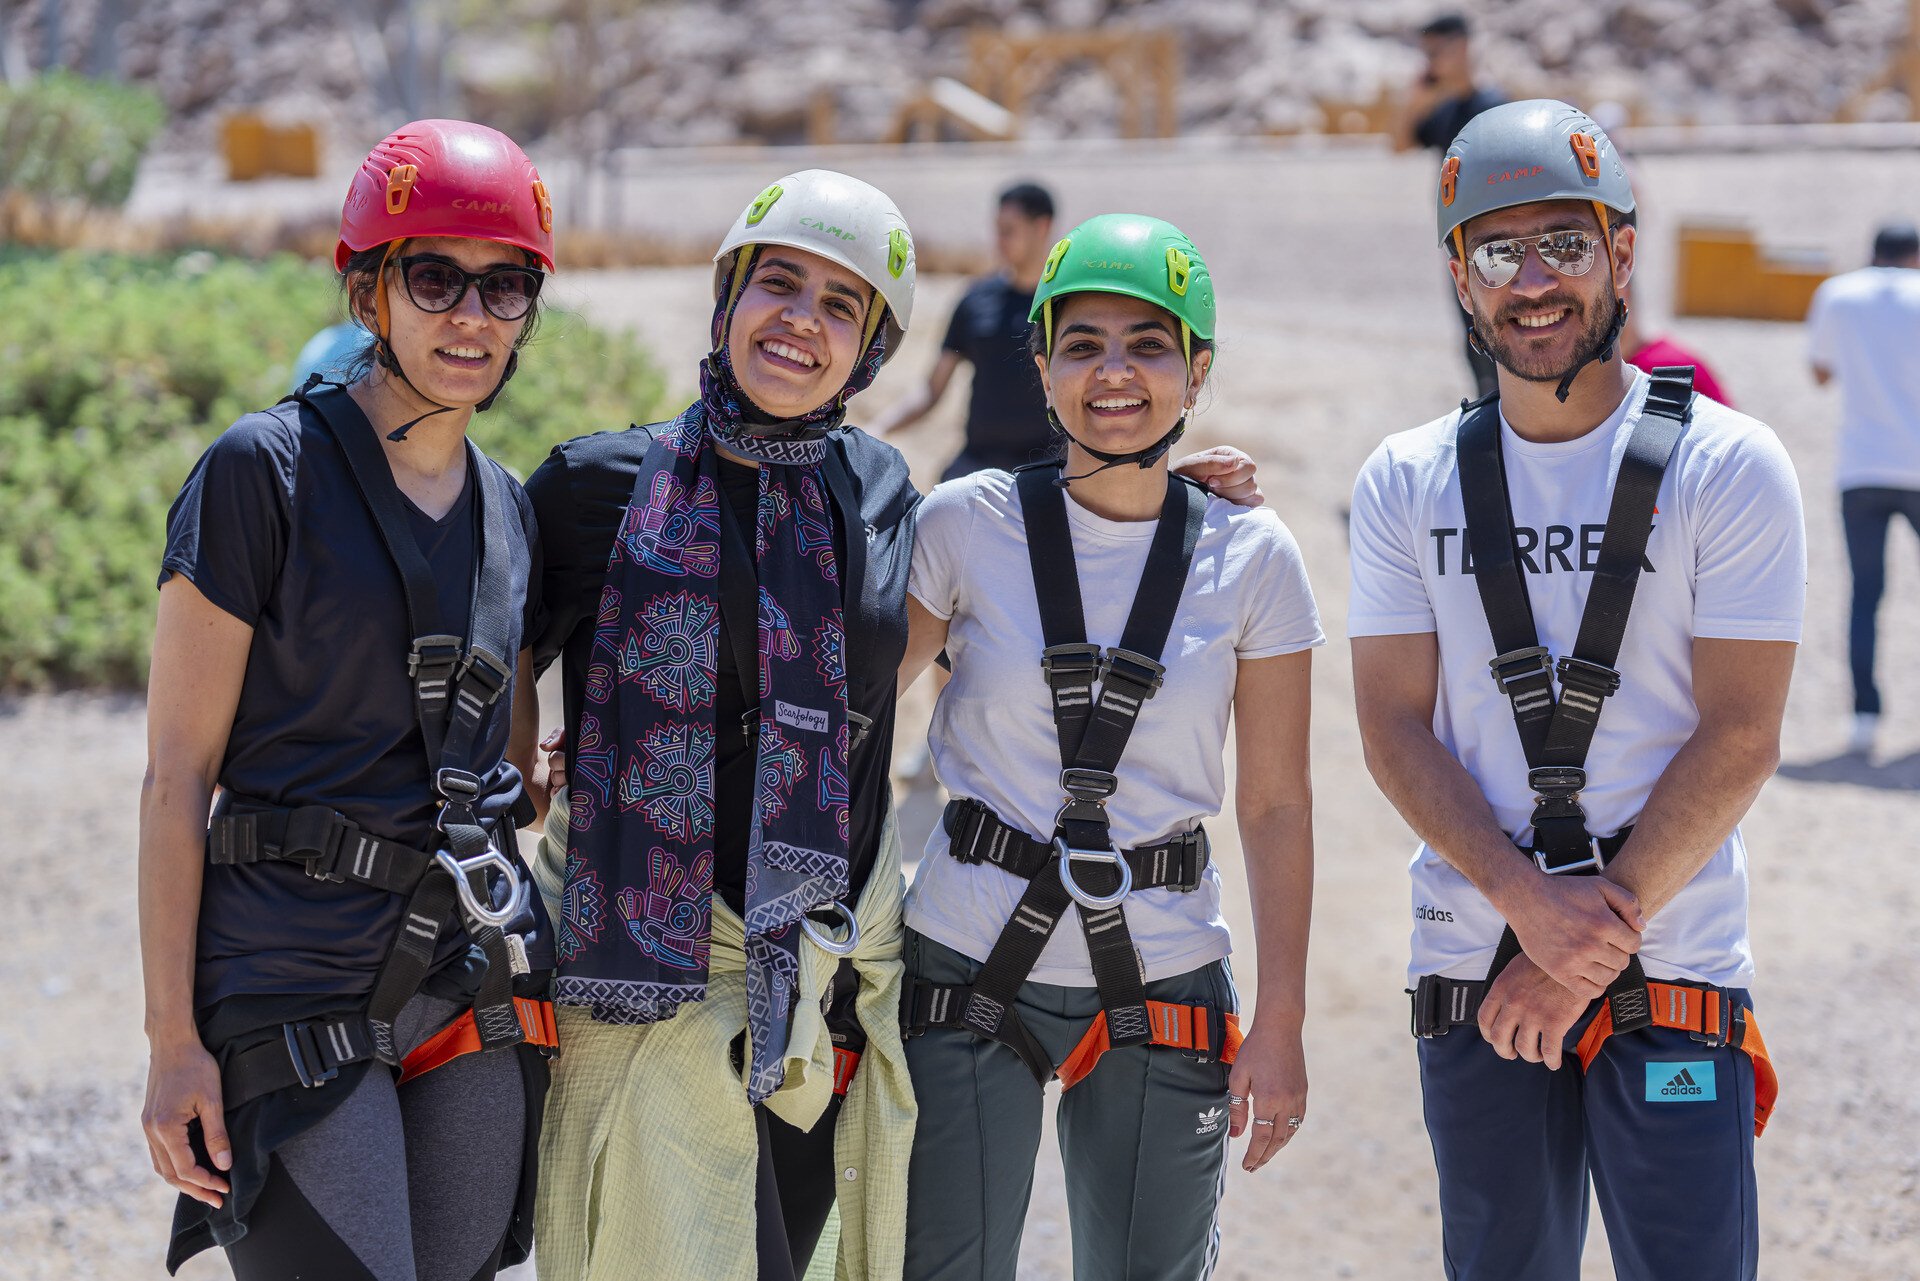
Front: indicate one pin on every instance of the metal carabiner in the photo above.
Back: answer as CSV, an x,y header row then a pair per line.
x,y
825,941
476,912
1113,858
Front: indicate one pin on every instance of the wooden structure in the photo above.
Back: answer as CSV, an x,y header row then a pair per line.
x,y
1725,272
255,149
1004,71
1902,72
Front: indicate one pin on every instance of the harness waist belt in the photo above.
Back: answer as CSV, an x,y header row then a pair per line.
x,y
1706,1013
977,835
332,847
311,1052
1210,1033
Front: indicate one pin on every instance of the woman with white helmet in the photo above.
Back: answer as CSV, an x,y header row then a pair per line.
x,y
727,597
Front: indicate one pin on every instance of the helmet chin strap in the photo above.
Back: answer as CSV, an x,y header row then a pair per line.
x,y
1145,458
1602,354
388,359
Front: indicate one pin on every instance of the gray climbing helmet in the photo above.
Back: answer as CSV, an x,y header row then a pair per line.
x,y
1523,153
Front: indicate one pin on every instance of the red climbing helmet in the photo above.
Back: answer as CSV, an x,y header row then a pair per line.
x,y
446,178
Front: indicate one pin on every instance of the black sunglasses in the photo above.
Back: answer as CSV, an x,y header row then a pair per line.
x,y
436,285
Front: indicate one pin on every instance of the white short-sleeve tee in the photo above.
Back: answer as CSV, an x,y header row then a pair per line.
x,y
1865,328
993,737
1727,559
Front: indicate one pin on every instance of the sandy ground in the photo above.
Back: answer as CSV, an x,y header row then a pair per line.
x,y
1335,333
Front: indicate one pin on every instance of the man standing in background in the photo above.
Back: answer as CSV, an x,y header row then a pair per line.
x,y
1438,107
1007,412
1864,330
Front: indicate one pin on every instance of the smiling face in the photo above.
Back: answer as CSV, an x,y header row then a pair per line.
x,y
798,329
453,357
1116,376
1542,323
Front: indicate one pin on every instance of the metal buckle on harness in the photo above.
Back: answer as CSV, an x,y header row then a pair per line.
x,y
826,942
320,830
458,786
1592,677
1557,782
439,655
1136,669
303,1047
1071,660
1090,785
1113,858
478,913
1518,664
1596,860
1196,847
1724,1035
493,673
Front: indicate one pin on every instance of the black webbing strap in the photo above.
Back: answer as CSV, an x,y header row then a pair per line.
x,y
844,490
308,1053
926,1005
1093,730
739,595
332,847
455,681
975,834
1556,733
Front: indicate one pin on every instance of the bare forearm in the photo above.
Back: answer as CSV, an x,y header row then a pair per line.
x,y
1703,793
173,824
1277,845
1443,805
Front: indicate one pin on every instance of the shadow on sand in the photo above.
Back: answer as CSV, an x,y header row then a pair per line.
x,y
1901,775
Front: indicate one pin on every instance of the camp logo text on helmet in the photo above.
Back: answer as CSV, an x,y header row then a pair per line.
x,y
1132,254
446,178
841,219
1523,153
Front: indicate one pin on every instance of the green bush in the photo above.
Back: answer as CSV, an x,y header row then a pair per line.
x,y
115,373
65,137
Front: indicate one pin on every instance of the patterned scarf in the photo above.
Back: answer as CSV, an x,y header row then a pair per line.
x,y
642,769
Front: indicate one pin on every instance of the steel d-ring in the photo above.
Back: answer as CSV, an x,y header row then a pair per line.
x,y
1068,855
827,942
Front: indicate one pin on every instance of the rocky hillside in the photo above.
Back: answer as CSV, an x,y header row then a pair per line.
x,y
597,73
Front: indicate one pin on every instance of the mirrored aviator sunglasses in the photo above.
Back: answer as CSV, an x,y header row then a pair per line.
x,y
437,285
1570,253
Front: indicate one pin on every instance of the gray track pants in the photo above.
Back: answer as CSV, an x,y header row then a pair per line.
x,y
1144,1139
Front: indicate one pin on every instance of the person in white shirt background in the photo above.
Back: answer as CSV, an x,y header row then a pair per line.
x,y
1863,331
1661,1119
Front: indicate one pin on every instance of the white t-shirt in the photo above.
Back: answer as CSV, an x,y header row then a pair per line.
x,y
1865,328
1728,560
993,737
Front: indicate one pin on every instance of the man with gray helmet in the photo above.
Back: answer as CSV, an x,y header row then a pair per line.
x,y
1580,965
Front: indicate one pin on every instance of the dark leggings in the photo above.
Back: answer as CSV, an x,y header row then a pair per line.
x,y
1866,513
797,1179
413,1184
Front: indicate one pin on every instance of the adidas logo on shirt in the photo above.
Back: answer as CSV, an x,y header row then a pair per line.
x,y
1680,1082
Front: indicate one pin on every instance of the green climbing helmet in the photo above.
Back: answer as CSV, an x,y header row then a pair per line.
x,y
1135,255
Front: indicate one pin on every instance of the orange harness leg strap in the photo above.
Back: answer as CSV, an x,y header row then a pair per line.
x,y
1703,1011
844,1063
1180,1027
461,1037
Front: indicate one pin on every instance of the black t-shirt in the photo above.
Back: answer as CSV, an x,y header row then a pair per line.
x,y
1007,415
1439,127
580,494
271,528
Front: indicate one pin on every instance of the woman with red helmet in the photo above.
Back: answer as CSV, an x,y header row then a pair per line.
x,y
344,967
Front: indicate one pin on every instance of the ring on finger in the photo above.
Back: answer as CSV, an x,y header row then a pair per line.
x,y
1293,1122
1235,1100
1258,1121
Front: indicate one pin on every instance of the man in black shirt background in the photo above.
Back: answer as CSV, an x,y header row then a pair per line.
x,y
1007,411
1438,107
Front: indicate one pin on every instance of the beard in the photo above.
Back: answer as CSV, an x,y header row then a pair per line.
x,y
1596,331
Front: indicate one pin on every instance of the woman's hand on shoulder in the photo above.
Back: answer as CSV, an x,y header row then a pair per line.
x,y
1227,473
183,1086
1269,1079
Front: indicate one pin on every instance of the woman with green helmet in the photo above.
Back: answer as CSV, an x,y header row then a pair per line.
x,y
1066,922
726,597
